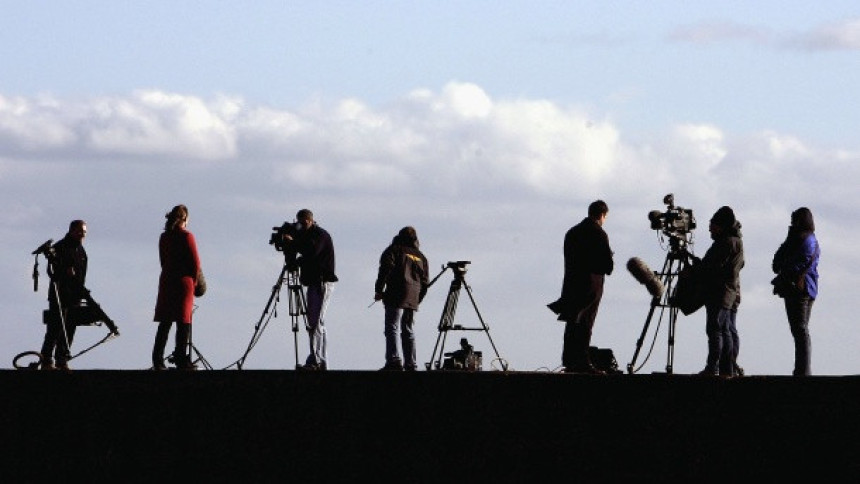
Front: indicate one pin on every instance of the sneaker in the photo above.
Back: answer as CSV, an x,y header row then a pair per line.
x,y
63,367
47,365
708,372
392,367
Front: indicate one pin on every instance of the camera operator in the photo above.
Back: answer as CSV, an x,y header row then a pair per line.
x,y
311,249
68,271
719,271
587,261
401,284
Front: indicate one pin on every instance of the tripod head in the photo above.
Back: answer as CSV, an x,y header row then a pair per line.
x,y
457,267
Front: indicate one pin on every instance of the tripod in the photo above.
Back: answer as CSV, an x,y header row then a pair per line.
x,y
193,353
446,323
677,259
297,307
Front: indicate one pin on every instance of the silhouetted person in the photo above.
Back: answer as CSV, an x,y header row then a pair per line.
x,y
315,250
796,261
587,261
180,266
68,272
720,274
401,284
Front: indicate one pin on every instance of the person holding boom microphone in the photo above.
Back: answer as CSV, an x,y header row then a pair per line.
x,y
587,261
68,275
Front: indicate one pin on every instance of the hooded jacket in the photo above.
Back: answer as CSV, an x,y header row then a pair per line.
x,y
721,267
403,274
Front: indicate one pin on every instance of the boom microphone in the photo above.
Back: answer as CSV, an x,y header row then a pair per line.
x,y
43,247
642,273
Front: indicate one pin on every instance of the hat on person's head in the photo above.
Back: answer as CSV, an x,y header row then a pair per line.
x,y
724,217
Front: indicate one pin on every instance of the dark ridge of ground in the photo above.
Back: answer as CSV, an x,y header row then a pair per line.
x,y
439,426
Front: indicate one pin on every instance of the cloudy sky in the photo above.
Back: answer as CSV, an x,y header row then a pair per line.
x,y
489,126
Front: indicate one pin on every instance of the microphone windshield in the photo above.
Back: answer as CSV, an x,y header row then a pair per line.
x,y
642,273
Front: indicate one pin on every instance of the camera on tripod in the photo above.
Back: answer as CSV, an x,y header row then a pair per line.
x,y
466,358
279,234
675,221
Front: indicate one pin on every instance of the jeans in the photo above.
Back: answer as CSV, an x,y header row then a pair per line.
x,y
723,341
318,296
798,310
400,322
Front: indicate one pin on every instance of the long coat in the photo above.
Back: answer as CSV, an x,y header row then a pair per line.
x,y
587,259
180,264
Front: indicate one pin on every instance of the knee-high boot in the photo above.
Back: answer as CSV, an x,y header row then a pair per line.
x,y
181,353
158,347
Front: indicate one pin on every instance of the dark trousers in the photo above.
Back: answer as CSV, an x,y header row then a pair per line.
x,y
57,343
578,329
798,310
180,351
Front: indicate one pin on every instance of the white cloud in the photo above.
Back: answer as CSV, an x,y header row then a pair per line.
x,y
844,35
713,32
495,181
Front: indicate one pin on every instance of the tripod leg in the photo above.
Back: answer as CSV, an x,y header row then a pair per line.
x,y
298,311
631,366
484,326
681,263
666,279
446,322
260,326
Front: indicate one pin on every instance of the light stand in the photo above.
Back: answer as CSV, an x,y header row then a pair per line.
x,y
446,323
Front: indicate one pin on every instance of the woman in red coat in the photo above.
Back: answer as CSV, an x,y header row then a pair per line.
x,y
180,266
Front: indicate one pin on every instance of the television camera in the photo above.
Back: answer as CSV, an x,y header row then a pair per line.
x,y
675,221
279,239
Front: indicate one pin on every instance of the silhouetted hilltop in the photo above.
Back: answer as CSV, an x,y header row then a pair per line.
x,y
441,426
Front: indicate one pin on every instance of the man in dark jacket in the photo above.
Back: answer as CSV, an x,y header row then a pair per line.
x,y
587,261
68,271
316,261
401,284
720,273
